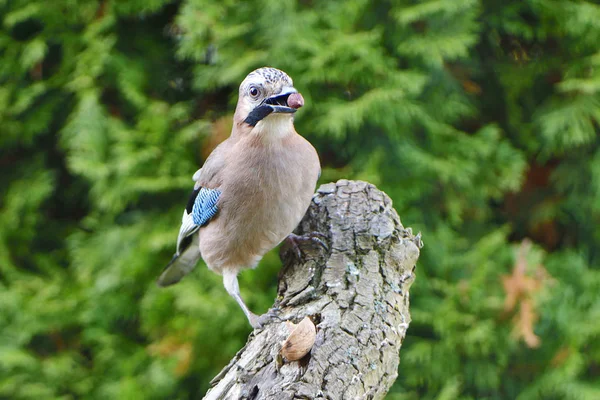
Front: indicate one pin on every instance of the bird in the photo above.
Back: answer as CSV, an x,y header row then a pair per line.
x,y
253,189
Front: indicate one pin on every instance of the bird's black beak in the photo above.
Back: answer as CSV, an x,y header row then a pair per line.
x,y
279,102
275,104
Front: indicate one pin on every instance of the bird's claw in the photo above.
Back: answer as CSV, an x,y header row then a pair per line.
x,y
259,321
312,237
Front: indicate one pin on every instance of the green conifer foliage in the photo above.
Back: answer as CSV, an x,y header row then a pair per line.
x,y
479,118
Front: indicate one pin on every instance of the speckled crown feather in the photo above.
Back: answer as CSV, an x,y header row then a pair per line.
x,y
271,76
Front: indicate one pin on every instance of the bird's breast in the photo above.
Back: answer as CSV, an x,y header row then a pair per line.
x,y
265,192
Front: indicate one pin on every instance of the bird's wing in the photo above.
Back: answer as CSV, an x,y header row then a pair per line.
x,y
201,207
202,204
181,264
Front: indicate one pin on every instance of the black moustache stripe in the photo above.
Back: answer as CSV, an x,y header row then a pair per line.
x,y
258,114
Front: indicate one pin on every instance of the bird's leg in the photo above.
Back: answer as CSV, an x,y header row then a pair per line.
x,y
230,282
313,238
231,285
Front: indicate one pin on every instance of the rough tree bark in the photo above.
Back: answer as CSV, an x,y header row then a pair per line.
x,y
356,292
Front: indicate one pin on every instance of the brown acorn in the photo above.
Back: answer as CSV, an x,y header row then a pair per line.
x,y
300,341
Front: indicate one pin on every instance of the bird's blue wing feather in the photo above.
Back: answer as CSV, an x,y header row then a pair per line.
x,y
201,207
205,205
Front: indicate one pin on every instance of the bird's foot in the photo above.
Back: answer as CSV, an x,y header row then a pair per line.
x,y
259,321
312,238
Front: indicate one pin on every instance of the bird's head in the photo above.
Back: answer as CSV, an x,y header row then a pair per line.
x,y
267,96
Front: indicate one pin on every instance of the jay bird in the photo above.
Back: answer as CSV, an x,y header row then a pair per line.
x,y
253,189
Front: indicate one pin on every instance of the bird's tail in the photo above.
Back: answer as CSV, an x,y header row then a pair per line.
x,y
180,266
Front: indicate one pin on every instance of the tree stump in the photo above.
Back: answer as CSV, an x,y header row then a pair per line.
x,y
356,293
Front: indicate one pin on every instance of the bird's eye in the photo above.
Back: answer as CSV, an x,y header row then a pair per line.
x,y
254,92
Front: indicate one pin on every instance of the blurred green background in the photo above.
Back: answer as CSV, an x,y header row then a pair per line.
x,y
479,118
